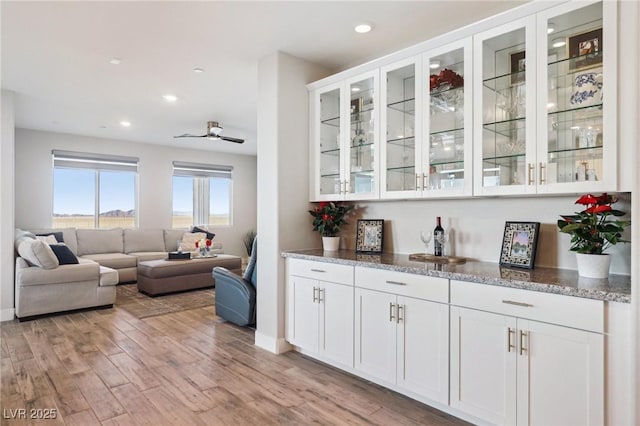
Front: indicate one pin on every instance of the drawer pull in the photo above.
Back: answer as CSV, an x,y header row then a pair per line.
x,y
318,270
396,282
511,302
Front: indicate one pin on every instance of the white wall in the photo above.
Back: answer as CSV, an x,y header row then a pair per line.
x,y
478,226
6,206
34,181
283,184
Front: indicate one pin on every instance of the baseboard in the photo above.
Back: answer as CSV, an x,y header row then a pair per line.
x,y
7,314
271,344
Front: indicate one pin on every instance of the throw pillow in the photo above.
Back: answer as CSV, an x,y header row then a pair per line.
x,y
64,254
49,239
57,235
38,253
210,235
189,240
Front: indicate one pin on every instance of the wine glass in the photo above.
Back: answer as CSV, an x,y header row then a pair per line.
x,y
443,239
425,236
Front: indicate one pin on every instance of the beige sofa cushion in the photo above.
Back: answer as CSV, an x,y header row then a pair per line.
x,y
94,241
83,271
137,240
68,234
149,255
113,260
171,238
38,253
108,276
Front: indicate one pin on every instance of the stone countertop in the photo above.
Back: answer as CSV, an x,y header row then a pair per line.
x,y
617,288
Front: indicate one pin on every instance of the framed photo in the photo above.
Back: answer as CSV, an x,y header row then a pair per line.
x,y
586,48
356,105
518,67
519,244
369,236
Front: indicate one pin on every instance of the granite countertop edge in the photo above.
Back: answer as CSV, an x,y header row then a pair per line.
x,y
588,293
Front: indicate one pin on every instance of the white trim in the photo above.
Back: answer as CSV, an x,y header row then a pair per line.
x,y
274,345
7,314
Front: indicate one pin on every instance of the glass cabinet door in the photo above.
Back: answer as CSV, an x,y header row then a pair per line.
x,y
447,155
361,173
573,120
400,176
505,109
331,184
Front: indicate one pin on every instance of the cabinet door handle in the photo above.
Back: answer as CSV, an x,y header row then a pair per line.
x,y
530,168
542,179
522,336
510,332
315,299
391,310
400,309
417,181
320,295
317,270
396,282
425,181
511,302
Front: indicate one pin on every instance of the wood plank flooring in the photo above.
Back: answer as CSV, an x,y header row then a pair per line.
x,y
185,368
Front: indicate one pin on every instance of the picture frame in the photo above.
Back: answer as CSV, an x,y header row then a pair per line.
x,y
519,244
518,67
369,235
356,106
586,48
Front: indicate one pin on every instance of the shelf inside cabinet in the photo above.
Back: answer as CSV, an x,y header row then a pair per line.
x,y
595,108
506,128
582,152
360,145
500,159
330,176
407,106
580,64
446,163
362,172
333,121
504,81
402,142
445,132
332,151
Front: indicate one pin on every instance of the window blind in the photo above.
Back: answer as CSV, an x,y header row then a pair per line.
x,y
81,160
201,170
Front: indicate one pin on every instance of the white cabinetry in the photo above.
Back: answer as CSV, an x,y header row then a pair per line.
x,y
320,310
401,331
520,357
344,139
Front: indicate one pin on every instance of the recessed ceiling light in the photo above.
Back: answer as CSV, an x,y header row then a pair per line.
x,y
125,123
551,28
558,42
355,89
198,70
115,61
434,64
170,98
362,28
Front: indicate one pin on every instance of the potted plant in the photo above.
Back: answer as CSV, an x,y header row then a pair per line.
x,y
592,232
328,217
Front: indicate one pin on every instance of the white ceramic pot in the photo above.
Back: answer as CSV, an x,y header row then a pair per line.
x,y
331,243
593,265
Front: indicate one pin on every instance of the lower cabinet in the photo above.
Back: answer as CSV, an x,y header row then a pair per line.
x,y
321,317
402,340
511,370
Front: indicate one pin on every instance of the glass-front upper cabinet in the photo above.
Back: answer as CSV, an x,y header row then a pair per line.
x,y
447,149
344,140
576,122
504,109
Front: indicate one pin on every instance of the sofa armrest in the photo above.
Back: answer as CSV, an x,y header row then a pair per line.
x,y
32,275
235,297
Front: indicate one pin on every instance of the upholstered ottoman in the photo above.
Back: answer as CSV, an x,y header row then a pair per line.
x,y
157,277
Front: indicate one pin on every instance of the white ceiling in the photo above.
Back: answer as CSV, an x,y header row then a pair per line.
x,y
55,57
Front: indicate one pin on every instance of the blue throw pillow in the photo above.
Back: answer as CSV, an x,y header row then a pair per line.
x,y
210,235
64,254
57,235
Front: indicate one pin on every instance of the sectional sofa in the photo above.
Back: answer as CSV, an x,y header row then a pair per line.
x,y
105,258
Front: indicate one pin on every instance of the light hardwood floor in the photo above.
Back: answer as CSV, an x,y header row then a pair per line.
x,y
186,368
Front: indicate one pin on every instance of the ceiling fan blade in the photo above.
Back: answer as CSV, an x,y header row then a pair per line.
x,y
187,135
228,139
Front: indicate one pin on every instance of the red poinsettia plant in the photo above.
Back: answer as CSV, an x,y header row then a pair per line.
x,y
328,217
592,231
445,78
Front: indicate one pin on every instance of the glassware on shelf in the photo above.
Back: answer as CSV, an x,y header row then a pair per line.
x,y
426,236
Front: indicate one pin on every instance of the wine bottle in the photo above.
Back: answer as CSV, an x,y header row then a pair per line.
x,y
437,232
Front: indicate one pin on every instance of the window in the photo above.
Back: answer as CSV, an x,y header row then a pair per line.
x,y
93,190
201,195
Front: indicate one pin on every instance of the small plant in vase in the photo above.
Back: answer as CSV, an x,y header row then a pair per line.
x,y
328,217
592,232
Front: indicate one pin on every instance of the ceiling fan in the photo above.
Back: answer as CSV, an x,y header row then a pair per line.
x,y
213,133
